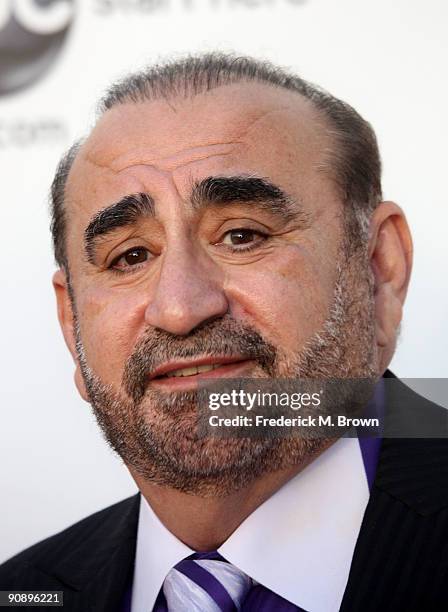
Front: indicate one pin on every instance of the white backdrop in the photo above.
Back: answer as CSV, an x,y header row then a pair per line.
x,y
388,58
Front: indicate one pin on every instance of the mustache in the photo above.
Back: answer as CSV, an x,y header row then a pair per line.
x,y
223,337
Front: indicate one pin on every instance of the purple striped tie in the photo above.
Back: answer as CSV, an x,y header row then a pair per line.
x,y
216,586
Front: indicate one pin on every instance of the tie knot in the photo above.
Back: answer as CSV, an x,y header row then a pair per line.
x,y
212,555
206,581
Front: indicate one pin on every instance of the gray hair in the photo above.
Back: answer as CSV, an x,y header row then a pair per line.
x,y
353,162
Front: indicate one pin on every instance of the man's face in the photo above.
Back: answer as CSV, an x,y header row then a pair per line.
x,y
233,259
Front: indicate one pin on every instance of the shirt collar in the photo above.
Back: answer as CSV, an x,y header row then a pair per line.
x,y
298,543
158,551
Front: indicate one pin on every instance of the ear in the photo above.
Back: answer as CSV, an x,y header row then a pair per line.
x,y
390,252
67,323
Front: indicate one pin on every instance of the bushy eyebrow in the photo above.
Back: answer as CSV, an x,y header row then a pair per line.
x,y
222,190
125,212
217,191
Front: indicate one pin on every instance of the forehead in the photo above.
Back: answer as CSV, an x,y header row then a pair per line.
x,y
240,128
160,128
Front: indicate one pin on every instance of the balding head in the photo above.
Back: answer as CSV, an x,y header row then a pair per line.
x,y
350,156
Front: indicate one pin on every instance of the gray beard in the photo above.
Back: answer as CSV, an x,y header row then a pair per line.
x,y
155,432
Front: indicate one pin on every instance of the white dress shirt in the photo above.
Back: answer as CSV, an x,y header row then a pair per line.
x,y
299,543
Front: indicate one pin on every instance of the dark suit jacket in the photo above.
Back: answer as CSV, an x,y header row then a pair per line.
x,y
400,561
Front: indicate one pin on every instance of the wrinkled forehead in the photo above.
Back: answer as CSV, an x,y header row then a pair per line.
x,y
254,128
247,113
228,113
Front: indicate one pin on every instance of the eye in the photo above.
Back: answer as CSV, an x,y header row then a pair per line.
x,y
130,259
244,238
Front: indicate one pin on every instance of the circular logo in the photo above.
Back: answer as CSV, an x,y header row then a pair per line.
x,y
31,35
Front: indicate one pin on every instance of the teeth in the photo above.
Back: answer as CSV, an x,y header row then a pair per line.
x,y
193,371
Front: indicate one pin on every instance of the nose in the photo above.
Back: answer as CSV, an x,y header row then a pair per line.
x,y
188,293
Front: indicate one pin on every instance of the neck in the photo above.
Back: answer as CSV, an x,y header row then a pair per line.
x,y
205,523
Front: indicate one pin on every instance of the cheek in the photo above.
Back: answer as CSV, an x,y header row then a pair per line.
x,y
110,325
286,298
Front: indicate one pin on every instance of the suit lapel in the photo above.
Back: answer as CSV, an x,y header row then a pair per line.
x,y
99,567
396,546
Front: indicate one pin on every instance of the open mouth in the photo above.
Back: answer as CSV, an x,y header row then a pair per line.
x,y
191,371
177,374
